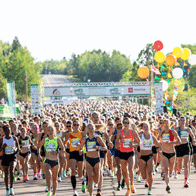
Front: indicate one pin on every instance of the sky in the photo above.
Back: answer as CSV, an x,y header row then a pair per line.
x,y
53,29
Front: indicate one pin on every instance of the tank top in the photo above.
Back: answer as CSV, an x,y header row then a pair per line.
x,y
91,143
166,137
146,144
124,147
183,134
59,135
75,138
25,141
51,145
10,148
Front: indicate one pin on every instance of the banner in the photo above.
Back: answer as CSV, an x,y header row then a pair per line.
x,y
11,98
159,97
35,107
113,91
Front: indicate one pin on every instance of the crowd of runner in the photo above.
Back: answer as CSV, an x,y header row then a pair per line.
x,y
85,138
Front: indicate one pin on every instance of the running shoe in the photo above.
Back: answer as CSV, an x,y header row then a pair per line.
x,y
123,184
46,190
186,186
75,193
18,177
149,192
176,177
49,193
134,173
118,188
146,185
95,185
35,177
11,191
154,172
59,179
138,178
115,170
7,192
2,175
112,174
24,178
168,189
98,194
64,174
128,193
39,175
43,176
83,187
133,190
68,173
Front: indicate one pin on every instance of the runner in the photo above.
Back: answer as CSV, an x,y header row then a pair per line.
x,y
93,143
25,153
127,139
76,153
51,164
183,150
146,162
168,138
10,147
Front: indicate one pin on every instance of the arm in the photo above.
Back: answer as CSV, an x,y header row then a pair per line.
x,y
136,138
4,145
17,145
103,145
118,141
177,138
60,143
67,135
155,141
192,135
40,145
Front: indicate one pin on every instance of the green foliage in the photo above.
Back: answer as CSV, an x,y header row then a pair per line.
x,y
192,76
3,92
15,60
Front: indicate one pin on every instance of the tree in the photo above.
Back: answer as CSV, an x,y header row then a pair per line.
x,y
192,77
16,44
3,91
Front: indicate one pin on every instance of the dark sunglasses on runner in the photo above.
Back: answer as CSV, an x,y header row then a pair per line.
x,y
126,123
76,125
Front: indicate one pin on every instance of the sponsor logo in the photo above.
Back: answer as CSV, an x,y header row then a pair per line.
x,y
56,92
130,90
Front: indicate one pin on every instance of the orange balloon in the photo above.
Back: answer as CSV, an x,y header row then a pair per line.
x,y
143,72
170,59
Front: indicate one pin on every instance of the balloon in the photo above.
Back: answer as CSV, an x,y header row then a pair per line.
x,y
143,72
192,59
158,45
177,73
159,57
165,85
170,59
177,52
186,53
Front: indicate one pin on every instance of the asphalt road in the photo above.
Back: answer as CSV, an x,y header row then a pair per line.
x,y
36,188
55,80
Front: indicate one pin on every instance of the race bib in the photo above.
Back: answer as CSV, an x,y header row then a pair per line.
x,y
147,144
165,137
9,150
127,142
74,142
91,145
50,147
26,143
184,134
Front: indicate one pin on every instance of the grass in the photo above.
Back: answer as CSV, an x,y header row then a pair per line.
x,y
74,78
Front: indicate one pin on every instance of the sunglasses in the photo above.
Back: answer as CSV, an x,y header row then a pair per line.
x,y
110,124
56,125
76,125
68,126
125,123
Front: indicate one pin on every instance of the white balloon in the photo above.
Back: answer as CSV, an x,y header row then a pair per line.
x,y
177,73
165,85
192,59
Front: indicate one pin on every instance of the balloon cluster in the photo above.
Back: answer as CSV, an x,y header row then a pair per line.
x,y
171,59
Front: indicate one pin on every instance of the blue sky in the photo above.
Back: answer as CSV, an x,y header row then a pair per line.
x,y
52,29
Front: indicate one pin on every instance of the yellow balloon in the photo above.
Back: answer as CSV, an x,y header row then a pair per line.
x,y
186,53
177,52
159,57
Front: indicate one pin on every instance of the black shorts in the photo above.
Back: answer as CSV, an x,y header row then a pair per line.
x,y
126,155
191,148
146,157
34,151
51,162
68,150
24,154
194,149
102,154
93,161
154,149
168,155
117,153
7,159
75,155
182,150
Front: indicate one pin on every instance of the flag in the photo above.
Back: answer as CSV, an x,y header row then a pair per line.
x,y
185,64
156,78
155,70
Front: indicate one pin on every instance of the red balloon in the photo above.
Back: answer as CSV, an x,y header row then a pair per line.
x,y
158,45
